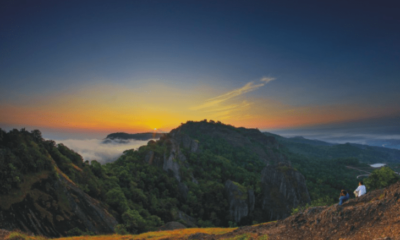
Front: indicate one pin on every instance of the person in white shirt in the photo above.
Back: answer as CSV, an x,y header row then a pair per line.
x,y
361,190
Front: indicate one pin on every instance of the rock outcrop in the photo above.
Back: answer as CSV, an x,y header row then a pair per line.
x,y
283,188
241,201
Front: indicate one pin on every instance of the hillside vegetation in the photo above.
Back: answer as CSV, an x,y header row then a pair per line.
x,y
219,183
201,174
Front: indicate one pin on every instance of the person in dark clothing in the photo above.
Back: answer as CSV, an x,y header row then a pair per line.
x,y
344,196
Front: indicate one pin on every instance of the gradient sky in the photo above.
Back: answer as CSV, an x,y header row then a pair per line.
x,y
94,67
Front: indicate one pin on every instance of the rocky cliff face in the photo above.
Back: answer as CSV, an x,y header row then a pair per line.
x,y
173,158
283,188
241,200
52,207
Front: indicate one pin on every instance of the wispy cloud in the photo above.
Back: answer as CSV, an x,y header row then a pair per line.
x,y
267,79
217,101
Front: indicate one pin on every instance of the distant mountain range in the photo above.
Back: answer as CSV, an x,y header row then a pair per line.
x,y
325,150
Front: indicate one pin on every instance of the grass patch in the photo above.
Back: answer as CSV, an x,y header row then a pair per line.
x,y
19,236
174,234
248,236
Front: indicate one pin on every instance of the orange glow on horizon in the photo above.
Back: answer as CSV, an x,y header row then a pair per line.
x,y
117,109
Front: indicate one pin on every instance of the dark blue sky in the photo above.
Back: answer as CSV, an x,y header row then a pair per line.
x,y
322,54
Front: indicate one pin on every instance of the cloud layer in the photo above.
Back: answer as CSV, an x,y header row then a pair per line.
x,y
95,149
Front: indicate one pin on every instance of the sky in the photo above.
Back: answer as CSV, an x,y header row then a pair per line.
x,y
84,69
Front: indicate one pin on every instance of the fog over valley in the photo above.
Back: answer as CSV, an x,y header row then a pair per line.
x,y
96,149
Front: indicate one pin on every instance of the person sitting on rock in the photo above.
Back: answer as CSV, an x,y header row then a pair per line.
x,y
344,196
361,190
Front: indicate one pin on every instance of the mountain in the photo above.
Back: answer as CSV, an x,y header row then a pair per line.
x,y
243,164
320,149
135,136
200,174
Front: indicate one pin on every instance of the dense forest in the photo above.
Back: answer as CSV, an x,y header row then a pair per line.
x,y
143,196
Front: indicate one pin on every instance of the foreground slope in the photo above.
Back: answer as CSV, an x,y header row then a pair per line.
x,y
375,215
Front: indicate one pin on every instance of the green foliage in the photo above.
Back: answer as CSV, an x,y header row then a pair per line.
x,y
116,198
133,220
121,229
381,178
21,152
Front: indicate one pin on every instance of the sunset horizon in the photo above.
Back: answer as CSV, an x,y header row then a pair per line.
x,y
136,66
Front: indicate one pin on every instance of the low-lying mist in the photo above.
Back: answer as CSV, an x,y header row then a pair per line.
x,y
96,149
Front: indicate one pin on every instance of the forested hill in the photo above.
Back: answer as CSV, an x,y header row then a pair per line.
x,y
135,136
320,149
200,174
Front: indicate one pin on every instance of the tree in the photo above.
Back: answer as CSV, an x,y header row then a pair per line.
x,y
133,221
37,135
116,198
381,178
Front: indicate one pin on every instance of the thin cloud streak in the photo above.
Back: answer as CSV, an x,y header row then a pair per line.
x,y
249,87
267,79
